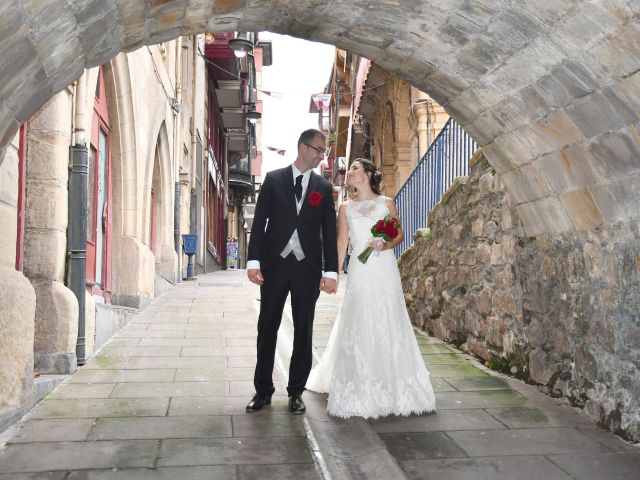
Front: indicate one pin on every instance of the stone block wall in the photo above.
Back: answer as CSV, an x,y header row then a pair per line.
x,y
558,310
17,304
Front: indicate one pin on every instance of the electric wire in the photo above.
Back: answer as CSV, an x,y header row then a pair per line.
x,y
170,99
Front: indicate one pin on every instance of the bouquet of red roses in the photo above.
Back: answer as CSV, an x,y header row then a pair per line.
x,y
386,229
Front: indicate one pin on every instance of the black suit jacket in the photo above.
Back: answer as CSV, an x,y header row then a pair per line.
x,y
276,219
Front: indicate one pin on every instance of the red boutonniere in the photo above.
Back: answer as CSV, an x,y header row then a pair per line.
x,y
314,199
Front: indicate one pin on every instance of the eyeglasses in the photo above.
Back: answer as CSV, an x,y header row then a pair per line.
x,y
317,149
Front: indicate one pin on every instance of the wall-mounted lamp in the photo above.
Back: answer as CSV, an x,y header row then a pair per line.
x,y
240,46
253,115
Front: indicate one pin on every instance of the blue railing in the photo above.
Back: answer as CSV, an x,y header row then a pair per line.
x,y
447,158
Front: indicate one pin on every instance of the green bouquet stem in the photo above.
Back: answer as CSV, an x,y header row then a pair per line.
x,y
364,256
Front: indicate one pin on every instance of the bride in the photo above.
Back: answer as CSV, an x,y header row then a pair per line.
x,y
372,365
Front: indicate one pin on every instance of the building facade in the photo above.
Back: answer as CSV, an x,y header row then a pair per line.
x,y
234,150
97,190
371,113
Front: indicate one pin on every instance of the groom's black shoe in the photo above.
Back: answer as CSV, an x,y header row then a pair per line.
x,y
296,405
258,401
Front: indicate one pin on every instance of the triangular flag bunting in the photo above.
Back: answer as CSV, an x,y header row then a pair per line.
x,y
322,100
279,151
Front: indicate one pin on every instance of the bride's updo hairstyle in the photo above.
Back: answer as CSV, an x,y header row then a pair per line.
x,y
376,175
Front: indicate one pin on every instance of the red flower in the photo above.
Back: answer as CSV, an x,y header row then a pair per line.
x,y
314,199
387,229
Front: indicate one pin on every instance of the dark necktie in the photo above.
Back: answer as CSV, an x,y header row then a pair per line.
x,y
298,187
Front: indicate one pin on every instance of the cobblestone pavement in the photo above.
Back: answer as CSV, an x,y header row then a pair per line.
x,y
165,399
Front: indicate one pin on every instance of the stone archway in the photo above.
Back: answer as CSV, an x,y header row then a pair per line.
x,y
128,288
161,204
551,91
155,195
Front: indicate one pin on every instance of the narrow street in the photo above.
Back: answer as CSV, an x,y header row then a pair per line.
x,y
165,399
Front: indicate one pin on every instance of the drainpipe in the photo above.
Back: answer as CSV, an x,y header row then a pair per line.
x,y
194,137
77,229
177,103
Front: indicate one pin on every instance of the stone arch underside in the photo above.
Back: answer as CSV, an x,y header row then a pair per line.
x,y
124,151
551,90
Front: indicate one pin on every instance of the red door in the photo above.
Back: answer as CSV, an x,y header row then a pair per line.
x,y
99,199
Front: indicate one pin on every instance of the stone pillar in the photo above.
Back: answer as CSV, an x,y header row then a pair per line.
x,y
404,166
56,316
388,180
431,118
133,271
439,118
421,109
17,304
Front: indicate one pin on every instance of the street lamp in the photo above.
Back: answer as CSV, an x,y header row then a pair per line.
x,y
240,46
253,115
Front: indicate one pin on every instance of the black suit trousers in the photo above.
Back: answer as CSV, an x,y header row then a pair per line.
x,y
284,276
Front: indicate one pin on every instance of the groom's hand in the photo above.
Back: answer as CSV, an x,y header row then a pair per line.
x,y
255,275
328,285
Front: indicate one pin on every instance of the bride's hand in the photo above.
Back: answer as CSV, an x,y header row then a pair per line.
x,y
377,244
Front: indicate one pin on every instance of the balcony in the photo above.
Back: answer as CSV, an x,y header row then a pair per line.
x,y
360,142
237,140
339,171
232,118
229,93
240,176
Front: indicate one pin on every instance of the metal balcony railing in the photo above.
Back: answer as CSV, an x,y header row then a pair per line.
x,y
447,158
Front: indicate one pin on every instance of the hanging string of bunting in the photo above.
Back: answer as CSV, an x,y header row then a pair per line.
x,y
321,100
279,151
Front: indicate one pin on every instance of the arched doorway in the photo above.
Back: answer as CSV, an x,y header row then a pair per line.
x,y
158,206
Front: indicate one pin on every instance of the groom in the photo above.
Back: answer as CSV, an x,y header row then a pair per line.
x,y
293,225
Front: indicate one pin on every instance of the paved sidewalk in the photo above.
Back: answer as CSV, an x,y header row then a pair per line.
x,y
165,399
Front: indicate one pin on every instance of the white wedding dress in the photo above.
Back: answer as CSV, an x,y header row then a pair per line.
x,y
372,365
